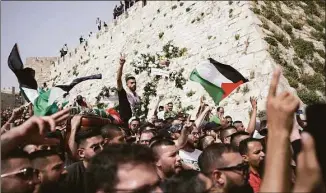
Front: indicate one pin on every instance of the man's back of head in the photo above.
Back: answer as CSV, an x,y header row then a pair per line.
x,y
112,134
122,167
237,137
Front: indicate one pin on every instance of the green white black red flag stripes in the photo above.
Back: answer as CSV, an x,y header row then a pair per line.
x,y
218,79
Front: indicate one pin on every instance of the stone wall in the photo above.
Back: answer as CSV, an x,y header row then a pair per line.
x,y
10,98
42,67
231,32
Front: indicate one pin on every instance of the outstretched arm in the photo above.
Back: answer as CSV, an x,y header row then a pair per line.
x,y
252,122
157,104
280,112
119,73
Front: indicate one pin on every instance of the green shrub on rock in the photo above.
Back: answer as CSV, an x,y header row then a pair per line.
x,y
308,97
303,48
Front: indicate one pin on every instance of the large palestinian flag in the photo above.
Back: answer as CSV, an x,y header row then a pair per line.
x,y
218,79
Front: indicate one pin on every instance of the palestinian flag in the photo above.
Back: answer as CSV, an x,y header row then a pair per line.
x,y
218,79
45,102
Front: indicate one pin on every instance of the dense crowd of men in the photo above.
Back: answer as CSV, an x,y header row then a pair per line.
x,y
67,152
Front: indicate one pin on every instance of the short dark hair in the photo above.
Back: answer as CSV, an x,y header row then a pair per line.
x,y
243,146
234,122
16,153
227,116
109,130
143,127
185,181
81,136
161,107
235,136
152,131
223,131
159,143
130,78
212,157
39,157
218,108
103,168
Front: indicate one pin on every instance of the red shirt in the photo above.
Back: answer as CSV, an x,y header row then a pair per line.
x,y
254,181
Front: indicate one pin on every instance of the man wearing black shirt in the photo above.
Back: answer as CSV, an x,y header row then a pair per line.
x,y
90,142
128,98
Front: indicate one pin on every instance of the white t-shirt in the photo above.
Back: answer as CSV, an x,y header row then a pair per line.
x,y
190,158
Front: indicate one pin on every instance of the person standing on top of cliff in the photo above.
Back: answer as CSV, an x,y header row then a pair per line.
x,y
99,24
65,49
128,99
127,4
81,39
115,12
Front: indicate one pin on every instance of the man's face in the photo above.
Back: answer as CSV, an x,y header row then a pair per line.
x,y
91,147
229,120
154,118
239,126
131,84
170,107
233,179
158,124
221,111
19,183
134,125
52,170
255,155
169,161
145,138
194,136
133,178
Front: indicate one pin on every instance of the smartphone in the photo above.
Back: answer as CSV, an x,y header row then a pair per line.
x,y
316,127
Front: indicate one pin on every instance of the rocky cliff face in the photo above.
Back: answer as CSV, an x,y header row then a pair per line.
x,y
238,33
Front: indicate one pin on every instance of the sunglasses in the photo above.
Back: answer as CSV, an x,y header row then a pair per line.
x,y
244,167
26,173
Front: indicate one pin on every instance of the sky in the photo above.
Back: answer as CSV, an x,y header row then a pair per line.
x,y
42,28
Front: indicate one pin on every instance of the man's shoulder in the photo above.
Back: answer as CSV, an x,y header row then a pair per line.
x,y
75,167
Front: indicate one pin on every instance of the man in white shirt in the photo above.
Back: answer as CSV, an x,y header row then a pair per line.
x,y
189,154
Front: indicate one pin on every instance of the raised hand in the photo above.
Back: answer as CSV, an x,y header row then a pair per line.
x,y
34,130
253,101
280,108
122,59
17,112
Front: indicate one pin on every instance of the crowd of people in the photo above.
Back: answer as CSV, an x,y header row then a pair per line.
x,y
69,152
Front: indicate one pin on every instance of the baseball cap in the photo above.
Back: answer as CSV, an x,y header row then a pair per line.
x,y
212,126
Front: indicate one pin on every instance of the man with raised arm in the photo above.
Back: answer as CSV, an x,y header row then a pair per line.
x,y
128,98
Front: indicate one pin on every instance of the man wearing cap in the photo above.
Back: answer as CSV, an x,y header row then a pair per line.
x,y
211,129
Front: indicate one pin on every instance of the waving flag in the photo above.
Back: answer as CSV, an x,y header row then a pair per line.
x,y
45,102
218,79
